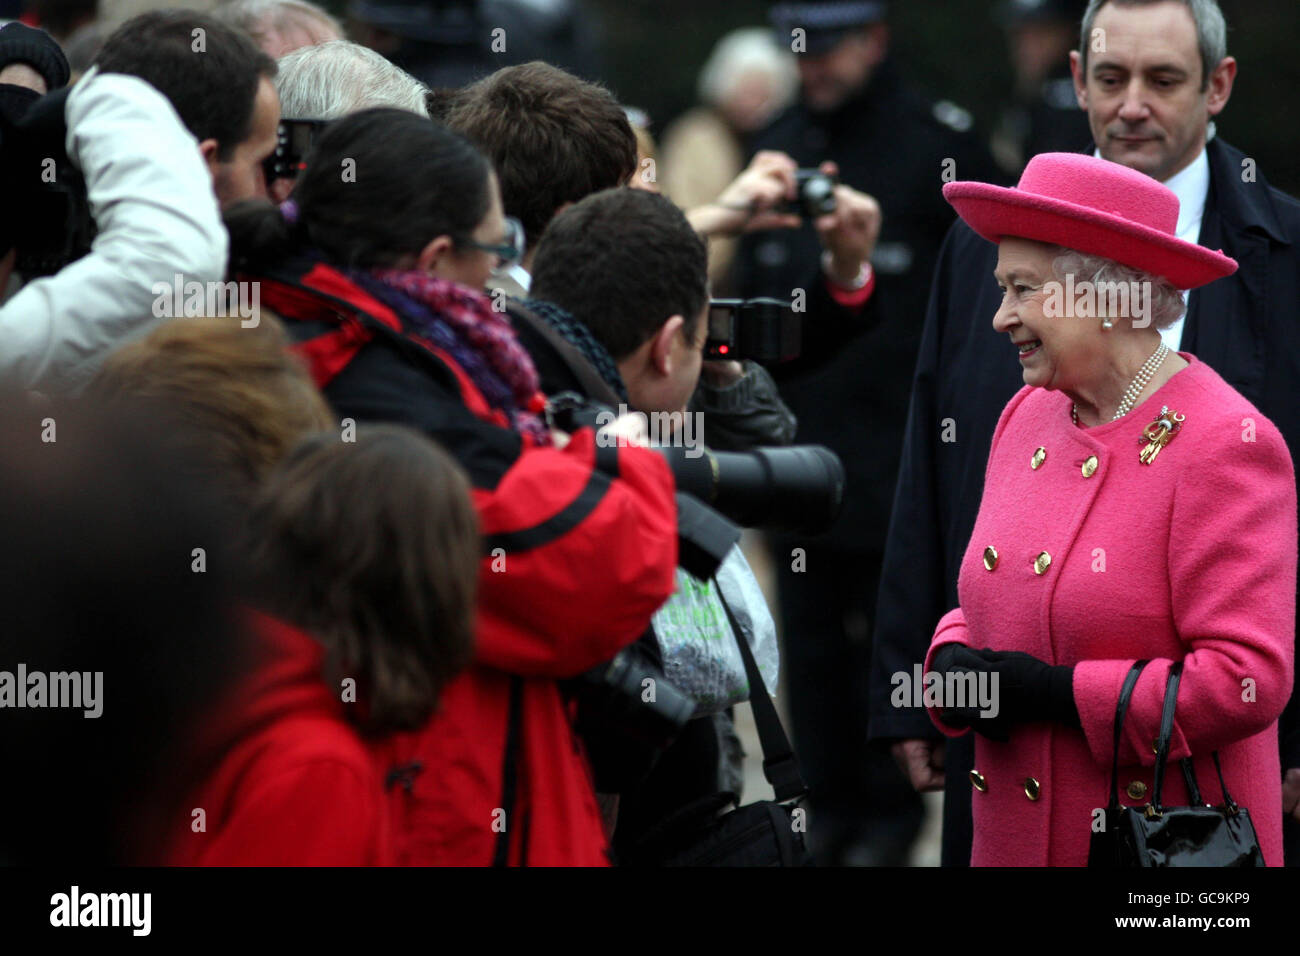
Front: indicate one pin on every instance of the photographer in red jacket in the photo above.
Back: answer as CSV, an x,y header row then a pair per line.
x,y
375,265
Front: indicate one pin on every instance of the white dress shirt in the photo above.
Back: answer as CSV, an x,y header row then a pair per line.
x,y
1191,186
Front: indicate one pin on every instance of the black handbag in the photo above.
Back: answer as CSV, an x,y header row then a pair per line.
x,y
766,833
1156,835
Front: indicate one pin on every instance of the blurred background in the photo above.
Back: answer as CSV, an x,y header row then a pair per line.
x,y
954,50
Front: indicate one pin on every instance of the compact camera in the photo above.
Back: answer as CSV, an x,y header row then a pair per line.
x,y
814,194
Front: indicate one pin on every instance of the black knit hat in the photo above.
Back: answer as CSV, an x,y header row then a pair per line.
x,y
20,43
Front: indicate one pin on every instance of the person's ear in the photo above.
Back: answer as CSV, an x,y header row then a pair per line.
x,y
1220,85
430,255
1080,82
208,150
661,348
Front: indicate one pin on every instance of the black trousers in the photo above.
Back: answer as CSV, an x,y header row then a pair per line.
x,y
859,796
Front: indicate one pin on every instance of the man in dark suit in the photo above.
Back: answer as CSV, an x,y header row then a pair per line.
x,y
1152,75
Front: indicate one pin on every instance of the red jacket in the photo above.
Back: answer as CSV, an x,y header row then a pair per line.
x,y
580,550
295,786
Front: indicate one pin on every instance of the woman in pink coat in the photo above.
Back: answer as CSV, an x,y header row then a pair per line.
x,y
1095,546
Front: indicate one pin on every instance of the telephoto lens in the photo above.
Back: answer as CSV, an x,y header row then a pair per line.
x,y
798,490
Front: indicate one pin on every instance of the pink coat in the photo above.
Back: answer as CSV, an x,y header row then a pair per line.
x,y
1190,558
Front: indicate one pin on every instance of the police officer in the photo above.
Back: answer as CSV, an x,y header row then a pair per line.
x,y
854,110
1042,115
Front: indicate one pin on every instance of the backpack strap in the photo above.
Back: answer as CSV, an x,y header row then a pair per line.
x,y
510,772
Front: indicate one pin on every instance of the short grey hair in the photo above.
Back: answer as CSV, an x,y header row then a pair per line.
x,y
1211,30
257,17
741,51
1165,299
341,77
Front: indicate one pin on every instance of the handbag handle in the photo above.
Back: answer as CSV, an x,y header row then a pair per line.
x,y
1166,733
1164,742
1121,708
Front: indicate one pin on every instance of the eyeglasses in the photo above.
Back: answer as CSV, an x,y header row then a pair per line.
x,y
509,252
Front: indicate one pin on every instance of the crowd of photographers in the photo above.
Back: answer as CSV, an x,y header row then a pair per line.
x,y
336,420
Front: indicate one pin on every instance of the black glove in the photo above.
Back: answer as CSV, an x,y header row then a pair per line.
x,y
1028,690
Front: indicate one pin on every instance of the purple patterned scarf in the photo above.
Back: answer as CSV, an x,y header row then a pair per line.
x,y
460,321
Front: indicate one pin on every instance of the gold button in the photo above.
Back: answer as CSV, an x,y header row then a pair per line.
x,y
1136,790
1089,466
1032,789
977,781
1042,563
1040,456
990,558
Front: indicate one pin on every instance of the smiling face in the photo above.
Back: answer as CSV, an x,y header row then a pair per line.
x,y
1143,91
1057,351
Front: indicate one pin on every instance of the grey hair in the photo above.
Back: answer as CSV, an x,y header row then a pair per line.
x,y
254,16
744,50
341,77
1165,300
1211,30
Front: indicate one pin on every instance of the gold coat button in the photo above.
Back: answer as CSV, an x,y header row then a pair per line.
x,y
1032,789
1042,563
1089,466
1039,457
1136,790
990,558
977,781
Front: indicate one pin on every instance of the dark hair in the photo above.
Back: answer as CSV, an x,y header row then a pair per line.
x,y
552,137
213,86
379,184
622,262
373,547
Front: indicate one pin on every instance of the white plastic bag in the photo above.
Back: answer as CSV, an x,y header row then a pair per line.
x,y
700,655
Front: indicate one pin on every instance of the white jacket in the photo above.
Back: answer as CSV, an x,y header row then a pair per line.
x,y
151,196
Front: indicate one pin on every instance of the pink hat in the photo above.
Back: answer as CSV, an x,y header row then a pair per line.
x,y
1094,206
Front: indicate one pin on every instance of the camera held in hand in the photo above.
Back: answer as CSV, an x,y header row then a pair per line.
x,y
814,194
798,490
293,142
628,713
765,330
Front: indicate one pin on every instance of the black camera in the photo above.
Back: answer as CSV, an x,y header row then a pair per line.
x,y
799,490
814,194
293,142
48,218
627,714
765,330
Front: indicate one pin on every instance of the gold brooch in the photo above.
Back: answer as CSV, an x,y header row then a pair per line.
x,y
1159,434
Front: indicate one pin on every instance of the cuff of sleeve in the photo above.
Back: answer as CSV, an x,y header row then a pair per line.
x,y
854,298
951,630
734,395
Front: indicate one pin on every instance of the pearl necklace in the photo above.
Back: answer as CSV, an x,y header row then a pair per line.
x,y
1135,387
